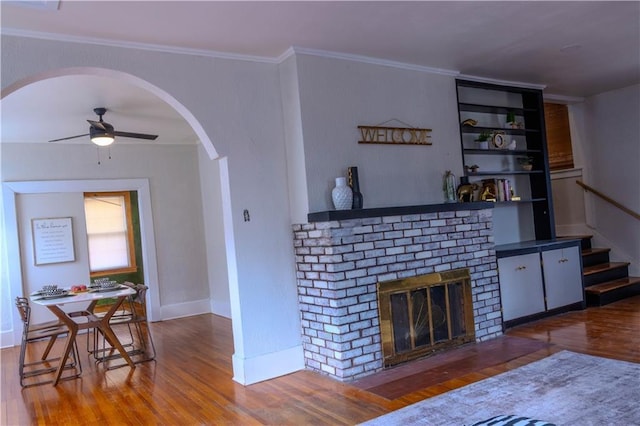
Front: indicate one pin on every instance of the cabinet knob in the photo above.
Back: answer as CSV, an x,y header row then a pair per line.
x,y
520,268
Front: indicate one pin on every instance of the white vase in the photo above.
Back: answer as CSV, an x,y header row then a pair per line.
x,y
342,195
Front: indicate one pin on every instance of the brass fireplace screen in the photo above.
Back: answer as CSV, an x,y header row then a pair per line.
x,y
420,315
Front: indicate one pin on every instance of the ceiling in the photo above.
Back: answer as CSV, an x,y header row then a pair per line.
x,y
574,49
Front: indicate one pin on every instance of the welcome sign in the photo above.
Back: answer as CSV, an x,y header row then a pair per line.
x,y
395,135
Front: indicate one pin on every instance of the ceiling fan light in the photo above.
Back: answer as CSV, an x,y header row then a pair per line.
x,y
104,139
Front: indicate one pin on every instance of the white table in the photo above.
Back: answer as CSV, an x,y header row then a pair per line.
x,y
92,321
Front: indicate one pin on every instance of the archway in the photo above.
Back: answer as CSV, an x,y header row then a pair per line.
x,y
10,191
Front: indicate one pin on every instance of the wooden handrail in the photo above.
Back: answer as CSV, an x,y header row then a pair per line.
x,y
608,199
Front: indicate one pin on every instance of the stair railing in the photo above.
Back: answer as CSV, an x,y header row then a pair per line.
x,y
608,199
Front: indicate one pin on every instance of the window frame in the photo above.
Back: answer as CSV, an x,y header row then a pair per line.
x,y
133,267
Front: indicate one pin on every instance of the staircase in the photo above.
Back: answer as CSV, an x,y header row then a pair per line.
x,y
605,281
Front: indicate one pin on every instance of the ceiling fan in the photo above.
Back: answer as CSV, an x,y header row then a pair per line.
x,y
103,134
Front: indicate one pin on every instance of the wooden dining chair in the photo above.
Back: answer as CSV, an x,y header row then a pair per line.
x,y
133,315
35,332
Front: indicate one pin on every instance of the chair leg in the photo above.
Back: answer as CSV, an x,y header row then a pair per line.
x,y
75,363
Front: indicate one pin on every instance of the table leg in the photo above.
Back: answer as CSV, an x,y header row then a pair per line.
x,y
71,338
111,337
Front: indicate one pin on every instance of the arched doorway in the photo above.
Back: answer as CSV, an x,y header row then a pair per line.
x,y
58,182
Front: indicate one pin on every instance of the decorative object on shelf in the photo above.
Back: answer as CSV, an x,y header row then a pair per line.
x,y
489,191
449,187
511,120
504,191
470,122
512,145
342,195
483,139
395,135
472,169
526,163
499,140
354,183
466,192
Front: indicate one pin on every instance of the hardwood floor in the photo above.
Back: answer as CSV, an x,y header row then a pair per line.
x,y
191,381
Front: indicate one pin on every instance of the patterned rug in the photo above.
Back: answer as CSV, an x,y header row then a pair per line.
x,y
565,388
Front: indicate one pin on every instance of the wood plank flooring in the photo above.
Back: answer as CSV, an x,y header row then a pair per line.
x,y
191,381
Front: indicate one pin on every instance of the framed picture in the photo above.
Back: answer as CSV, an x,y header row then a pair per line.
x,y
52,240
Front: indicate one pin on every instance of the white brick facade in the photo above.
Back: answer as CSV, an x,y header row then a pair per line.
x,y
339,263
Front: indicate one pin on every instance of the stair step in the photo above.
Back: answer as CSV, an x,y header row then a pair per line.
x,y
610,291
603,272
594,256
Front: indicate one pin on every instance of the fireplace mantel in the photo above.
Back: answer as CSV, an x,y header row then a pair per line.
x,y
330,215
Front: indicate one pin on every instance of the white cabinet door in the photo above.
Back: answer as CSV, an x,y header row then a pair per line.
x,y
562,277
520,286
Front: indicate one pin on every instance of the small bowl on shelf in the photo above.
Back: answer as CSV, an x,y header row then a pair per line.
x,y
526,163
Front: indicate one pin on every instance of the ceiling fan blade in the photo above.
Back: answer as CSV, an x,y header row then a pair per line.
x,y
136,135
98,125
70,137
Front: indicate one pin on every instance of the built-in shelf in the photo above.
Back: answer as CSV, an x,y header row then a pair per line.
x,y
489,105
501,151
506,130
504,173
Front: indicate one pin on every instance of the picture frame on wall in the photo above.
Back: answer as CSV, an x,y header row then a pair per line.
x,y
52,240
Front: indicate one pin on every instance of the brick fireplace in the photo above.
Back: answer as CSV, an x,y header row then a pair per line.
x,y
341,256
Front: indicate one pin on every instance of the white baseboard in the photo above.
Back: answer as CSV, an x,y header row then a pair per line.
x,y
247,371
7,339
186,309
221,308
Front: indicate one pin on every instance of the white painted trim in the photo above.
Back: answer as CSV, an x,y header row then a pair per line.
x,y
12,189
274,60
566,174
133,45
573,229
502,82
222,309
8,338
369,60
185,309
264,367
561,99
52,5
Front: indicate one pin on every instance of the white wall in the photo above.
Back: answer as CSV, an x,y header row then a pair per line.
x,y
338,95
613,137
65,274
175,195
210,185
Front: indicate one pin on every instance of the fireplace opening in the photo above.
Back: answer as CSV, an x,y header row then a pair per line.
x,y
423,314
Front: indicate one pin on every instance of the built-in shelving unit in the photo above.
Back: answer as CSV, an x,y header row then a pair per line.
x,y
523,205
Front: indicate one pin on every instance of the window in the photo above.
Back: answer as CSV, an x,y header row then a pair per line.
x,y
556,117
109,233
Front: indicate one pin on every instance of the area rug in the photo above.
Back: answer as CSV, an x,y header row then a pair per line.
x,y
565,388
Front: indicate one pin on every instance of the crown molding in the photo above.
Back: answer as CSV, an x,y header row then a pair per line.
x,y
291,51
369,60
503,82
132,45
562,99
